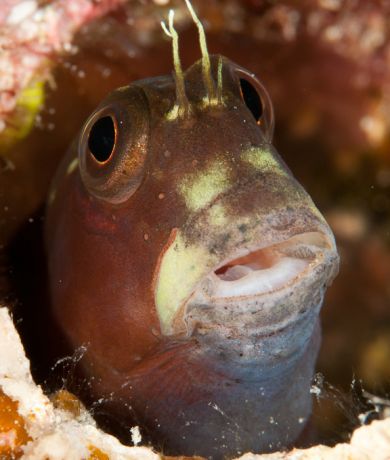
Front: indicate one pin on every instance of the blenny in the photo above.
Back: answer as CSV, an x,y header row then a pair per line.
x,y
190,263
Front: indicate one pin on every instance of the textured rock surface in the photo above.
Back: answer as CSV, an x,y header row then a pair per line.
x,y
50,432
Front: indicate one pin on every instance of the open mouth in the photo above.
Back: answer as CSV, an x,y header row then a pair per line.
x,y
265,271
268,269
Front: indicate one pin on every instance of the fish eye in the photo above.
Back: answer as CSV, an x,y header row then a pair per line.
x,y
113,146
257,100
251,98
102,139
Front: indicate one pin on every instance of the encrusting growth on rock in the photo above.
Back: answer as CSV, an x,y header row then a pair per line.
x,y
13,434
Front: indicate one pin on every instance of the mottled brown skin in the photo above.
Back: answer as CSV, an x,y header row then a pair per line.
x,y
191,392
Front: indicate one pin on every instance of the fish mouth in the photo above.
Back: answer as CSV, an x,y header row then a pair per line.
x,y
269,295
264,270
255,283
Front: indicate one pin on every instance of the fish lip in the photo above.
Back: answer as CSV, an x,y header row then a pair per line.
x,y
321,245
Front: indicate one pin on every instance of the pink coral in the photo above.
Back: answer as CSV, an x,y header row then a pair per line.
x,y
31,33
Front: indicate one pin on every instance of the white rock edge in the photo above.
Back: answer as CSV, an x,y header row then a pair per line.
x,y
56,434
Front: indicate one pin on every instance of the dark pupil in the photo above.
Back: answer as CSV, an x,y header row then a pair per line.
x,y
101,140
251,98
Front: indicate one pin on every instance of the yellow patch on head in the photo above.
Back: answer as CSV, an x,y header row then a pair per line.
x,y
182,267
263,160
217,216
201,188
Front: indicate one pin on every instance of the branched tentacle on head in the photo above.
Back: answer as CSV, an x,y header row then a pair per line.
x,y
213,95
182,106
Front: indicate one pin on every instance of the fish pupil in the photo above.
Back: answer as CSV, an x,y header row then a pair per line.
x,y
251,98
101,140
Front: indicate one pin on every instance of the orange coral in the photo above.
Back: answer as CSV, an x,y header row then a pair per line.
x,y
97,454
13,434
